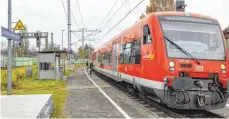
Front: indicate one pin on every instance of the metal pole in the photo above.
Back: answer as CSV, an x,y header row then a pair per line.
x,y
52,41
9,66
62,40
69,26
83,42
46,44
82,38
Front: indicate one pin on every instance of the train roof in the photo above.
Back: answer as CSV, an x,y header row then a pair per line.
x,y
173,13
170,13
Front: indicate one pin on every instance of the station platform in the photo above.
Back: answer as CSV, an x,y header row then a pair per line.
x,y
26,106
94,98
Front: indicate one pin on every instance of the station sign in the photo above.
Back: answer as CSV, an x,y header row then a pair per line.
x,y
10,34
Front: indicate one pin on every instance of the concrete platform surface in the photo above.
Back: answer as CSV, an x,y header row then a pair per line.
x,y
86,100
26,106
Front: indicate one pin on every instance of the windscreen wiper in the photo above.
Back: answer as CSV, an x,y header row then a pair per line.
x,y
183,50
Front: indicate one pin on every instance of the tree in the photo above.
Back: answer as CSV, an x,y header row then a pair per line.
x,y
55,47
25,46
142,16
226,33
86,47
3,44
159,6
81,52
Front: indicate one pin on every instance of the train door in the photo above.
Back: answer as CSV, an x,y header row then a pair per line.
x,y
147,53
227,41
96,59
115,60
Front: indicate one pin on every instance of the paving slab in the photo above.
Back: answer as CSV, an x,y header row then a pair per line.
x,y
26,106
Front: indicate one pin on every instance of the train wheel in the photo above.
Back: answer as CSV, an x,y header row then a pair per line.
x,y
130,89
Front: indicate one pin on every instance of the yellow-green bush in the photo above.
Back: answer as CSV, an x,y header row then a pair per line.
x,y
35,71
18,74
80,65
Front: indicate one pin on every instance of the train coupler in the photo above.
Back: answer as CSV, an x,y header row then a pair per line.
x,y
200,99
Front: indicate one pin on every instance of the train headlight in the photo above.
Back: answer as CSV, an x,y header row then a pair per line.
x,y
171,66
223,66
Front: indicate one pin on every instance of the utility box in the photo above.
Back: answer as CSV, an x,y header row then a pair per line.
x,y
29,72
49,65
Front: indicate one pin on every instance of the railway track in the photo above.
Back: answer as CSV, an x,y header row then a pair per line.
x,y
161,110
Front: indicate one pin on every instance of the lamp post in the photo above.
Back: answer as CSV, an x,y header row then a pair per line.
x,y
62,40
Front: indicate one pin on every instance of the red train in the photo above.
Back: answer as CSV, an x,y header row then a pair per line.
x,y
178,58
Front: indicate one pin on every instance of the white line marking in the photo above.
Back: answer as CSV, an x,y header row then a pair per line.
x,y
227,105
119,108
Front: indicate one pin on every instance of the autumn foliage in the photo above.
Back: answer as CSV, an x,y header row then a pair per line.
x,y
159,6
226,32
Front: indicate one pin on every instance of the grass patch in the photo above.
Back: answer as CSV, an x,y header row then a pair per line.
x,y
68,72
56,88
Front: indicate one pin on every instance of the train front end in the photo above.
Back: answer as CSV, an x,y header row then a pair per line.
x,y
196,63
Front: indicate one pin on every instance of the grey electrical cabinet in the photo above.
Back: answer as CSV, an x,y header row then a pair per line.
x,y
49,65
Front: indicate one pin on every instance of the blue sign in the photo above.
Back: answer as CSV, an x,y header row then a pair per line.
x,y
10,35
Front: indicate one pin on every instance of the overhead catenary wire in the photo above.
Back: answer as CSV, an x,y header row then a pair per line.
x,y
76,35
91,34
80,12
121,19
64,9
75,20
108,13
115,13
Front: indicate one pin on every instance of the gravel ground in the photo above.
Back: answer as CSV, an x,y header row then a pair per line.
x,y
224,111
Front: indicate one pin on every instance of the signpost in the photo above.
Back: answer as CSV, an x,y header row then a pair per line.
x,y
10,34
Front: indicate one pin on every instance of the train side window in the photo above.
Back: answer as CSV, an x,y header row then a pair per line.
x,y
122,54
138,51
109,58
135,52
127,49
146,35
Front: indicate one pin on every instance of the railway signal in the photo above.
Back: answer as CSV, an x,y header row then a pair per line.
x,y
37,35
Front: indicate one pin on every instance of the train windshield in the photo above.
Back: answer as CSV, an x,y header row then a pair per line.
x,y
202,39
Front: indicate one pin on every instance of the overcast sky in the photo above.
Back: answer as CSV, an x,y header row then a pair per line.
x,y
49,16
